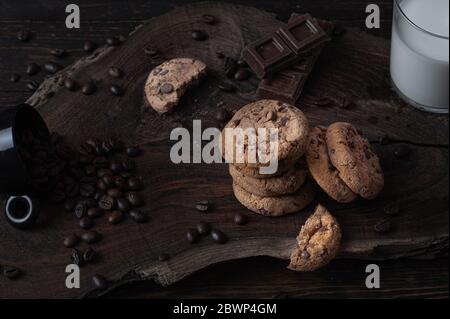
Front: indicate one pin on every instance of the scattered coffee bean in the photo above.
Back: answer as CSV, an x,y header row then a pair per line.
x,y
134,198
99,282
70,84
71,241
88,88
219,237
209,19
11,272
76,257
58,52
135,183
128,165
202,206
123,205
109,180
89,46
112,41
116,90
121,183
94,212
392,209
402,151
87,190
240,219
32,68
192,236
114,192
138,216
203,228
163,257
86,223
90,236
103,172
80,210
199,35
89,202
14,78
242,74
133,151
115,217
89,255
107,203
52,67
116,166
32,85
23,35
226,87
115,72
383,226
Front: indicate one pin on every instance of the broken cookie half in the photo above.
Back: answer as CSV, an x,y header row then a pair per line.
x,y
318,242
167,82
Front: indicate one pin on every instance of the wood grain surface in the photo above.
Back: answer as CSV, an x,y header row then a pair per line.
x,y
354,67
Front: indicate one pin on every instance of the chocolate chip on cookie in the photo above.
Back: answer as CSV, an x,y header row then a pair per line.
x,y
322,170
317,243
357,164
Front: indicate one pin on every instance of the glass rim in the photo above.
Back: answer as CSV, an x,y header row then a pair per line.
x,y
397,4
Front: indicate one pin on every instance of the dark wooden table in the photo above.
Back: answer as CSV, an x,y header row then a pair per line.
x,y
255,277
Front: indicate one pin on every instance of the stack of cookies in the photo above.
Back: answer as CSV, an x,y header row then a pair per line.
x,y
286,191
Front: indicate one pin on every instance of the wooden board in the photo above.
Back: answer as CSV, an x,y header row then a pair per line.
x,y
354,67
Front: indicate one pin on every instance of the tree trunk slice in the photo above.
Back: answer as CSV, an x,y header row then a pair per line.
x,y
353,68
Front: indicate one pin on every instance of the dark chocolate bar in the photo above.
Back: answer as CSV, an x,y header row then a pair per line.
x,y
286,47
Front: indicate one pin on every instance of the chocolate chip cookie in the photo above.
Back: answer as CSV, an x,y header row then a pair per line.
x,y
167,82
317,243
289,122
284,184
322,170
276,206
357,164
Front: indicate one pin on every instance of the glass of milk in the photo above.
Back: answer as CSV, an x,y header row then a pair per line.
x,y
419,53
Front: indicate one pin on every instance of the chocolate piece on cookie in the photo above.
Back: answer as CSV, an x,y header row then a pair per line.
x,y
288,122
276,206
351,154
322,170
317,243
167,82
284,184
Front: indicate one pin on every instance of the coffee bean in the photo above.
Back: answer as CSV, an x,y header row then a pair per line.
x,y
115,72
163,257
116,166
209,19
138,216
103,172
392,209
121,183
222,115
166,88
112,41
202,206
116,90
90,236
109,180
226,87
383,226
69,205
32,86
11,272
14,78
88,88
100,162
219,237
199,35
242,74
23,35
58,52
192,236
32,68
80,210
89,46
94,212
86,223
114,192
134,198
71,241
123,205
203,228
402,151
90,170
115,217
135,183
87,190
99,282
70,84
240,219
89,202
133,151
76,257
107,203
128,165
98,194
89,255
52,67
